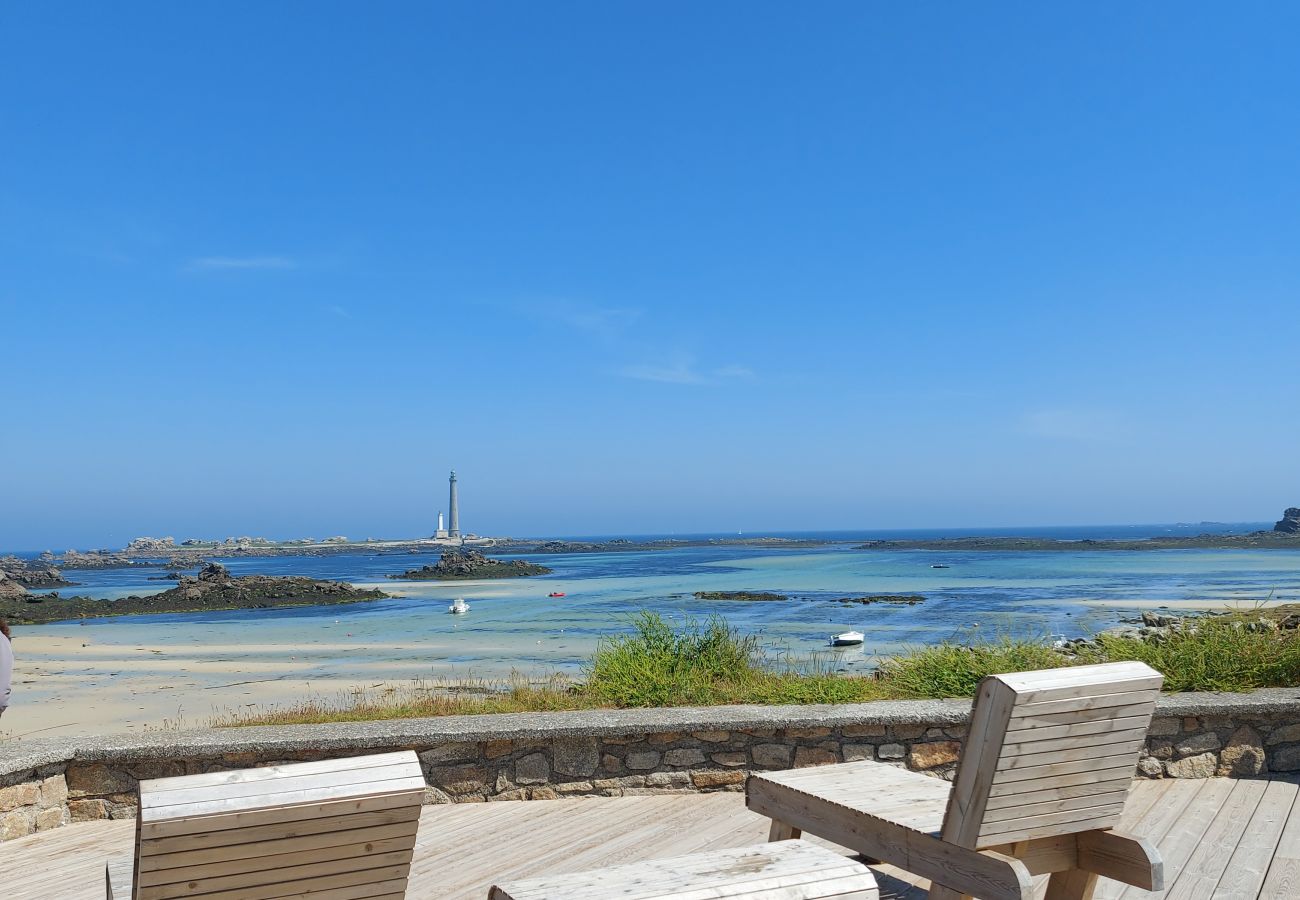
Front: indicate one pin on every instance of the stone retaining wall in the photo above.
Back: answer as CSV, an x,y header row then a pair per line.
x,y
48,783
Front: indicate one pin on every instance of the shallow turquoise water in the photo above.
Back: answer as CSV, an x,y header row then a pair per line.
x,y
513,625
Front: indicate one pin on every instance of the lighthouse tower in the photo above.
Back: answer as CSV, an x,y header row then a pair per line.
x,y
453,507
441,533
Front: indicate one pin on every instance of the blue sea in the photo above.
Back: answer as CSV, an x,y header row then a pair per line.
x,y
513,626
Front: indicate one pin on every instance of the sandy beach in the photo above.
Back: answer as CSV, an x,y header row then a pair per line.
x,y
70,685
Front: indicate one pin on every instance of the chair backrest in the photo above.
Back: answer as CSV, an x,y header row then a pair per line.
x,y
1050,752
345,824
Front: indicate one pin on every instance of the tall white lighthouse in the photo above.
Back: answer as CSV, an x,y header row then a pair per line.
x,y
453,509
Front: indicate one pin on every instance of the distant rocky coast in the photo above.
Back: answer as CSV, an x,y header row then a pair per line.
x,y
1284,536
462,565
213,588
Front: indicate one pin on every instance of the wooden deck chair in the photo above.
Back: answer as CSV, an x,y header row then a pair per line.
x,y
786,870
1047,763
336,829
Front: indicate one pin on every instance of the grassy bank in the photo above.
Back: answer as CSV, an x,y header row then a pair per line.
x,y
702,664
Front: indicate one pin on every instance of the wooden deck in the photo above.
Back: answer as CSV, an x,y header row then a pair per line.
x,y
1221,838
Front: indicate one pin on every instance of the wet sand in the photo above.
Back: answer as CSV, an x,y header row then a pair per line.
x,y
70,685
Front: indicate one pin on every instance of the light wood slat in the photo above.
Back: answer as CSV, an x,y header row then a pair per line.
x,y
1130,685
1064,712
158,787
162,803
1039,732
1051,806
1132,736
402,787
1024,683
788,870
300,828
1044,795
302,812
1008,788
1070,767
357,885
1129,747
219,868
268,878
1043,822
1090,702
253,850
395,887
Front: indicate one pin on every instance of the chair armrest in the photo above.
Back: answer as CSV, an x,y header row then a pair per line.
x,y
1123,857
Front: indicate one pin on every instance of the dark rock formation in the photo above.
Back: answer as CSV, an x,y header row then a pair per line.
x,y
459,565
32,574
9,587
1290,522
907,599
749,596
213,588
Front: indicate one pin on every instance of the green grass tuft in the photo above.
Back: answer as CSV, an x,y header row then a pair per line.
x,y
954,670
1212,654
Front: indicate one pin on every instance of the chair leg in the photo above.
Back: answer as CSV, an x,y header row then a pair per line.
x,y
1072,884
780,831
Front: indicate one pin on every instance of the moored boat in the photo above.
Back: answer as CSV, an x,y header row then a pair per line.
x,y
458,606
847,639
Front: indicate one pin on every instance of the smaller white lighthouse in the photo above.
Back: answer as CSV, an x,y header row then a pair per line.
x,y
441,533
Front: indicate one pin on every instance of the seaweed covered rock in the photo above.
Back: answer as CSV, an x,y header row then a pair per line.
x,y
212,589
744,596
461,564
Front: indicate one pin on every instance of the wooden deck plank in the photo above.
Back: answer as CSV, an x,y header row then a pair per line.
x,y
1243,878
1201,873
1283,879
461,849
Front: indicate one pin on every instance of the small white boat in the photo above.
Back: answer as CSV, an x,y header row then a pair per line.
x,y
459,606
847,639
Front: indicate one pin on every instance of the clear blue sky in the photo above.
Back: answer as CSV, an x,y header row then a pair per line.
x,y
274,268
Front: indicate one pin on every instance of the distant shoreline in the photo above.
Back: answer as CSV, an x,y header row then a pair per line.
x,y
1256,540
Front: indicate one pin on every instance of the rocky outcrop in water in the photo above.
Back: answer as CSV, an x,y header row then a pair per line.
x,y
9,587
1290,521
902,599
743,596
32,574
459,565
213,588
